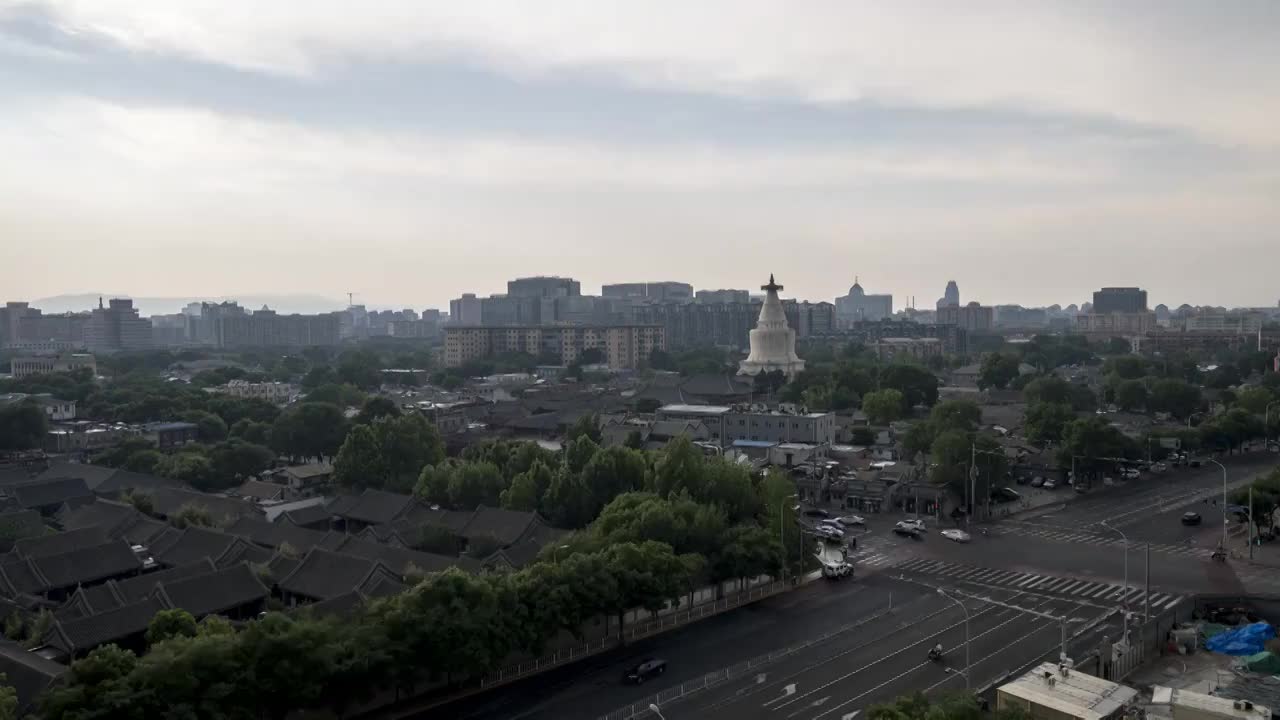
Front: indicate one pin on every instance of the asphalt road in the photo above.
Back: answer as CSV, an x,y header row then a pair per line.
x,y
1060,561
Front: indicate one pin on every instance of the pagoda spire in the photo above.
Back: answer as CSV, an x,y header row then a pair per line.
x,y
772,286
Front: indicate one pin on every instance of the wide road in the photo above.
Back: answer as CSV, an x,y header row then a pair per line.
x,y
847,653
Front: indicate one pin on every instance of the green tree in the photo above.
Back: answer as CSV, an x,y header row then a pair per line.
x,y
8,699
407,444
522,494
169,624
729,487
679,467
191,515
997,371
1131,394
634,440
919,438
377,406
309,430
235,461
23,425
1048,389
119,454
1175,397
588,426
569,502
883,406
96,685
190,468
258,433
614,471
475,484
917,385
337,394
1045,422
209,427
1127,367
361,368
1094,444
956,415
143,461
579,452
746,551
1255,399
433,483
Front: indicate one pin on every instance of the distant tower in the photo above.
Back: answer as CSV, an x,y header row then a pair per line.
x,y
950,296
773,342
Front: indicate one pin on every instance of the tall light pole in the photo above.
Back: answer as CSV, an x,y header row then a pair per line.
x,y
944,594
1123,598
1224,503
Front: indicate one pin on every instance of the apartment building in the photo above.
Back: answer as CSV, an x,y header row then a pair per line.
x,y
623,346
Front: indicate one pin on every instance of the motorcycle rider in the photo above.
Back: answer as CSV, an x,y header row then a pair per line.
x,y
936,652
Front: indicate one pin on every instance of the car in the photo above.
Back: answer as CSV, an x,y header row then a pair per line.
x,y
956,535
1191,518
1108,481
647,668
1005,494
1023,480
906,529
1049,484
917,523
829,532
850,521
1159,467
1130,473
1037,481
835,571
1195,462
816,513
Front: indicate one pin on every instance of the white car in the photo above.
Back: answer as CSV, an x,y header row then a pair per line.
x,y
1050,484
909,528
850,521
916,523
829,532
956,535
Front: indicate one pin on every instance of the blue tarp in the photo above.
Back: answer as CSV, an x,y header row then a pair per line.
x,y
1248,640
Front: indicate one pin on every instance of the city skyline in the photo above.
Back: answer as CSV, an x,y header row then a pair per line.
x,y
1034,153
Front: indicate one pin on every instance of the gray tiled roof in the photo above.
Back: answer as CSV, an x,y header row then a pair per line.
x,y
93,475
214,592
193,545
84,634
324,574
274,535
372,506
310,515
58,543
50,493
400,560
27,673
506,526
167,501
84,565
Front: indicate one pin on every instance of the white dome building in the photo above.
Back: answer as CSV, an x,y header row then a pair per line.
x,y
773,342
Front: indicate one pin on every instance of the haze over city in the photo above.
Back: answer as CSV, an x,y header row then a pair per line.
x,y
411,151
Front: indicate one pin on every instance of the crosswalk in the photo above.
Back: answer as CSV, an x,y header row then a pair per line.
x,y
1059,535
878,551
1089,591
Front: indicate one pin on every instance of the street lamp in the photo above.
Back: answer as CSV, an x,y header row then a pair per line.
x,y
1123,598
653,708
1224,503
944,594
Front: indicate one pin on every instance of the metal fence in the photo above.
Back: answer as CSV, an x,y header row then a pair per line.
x,y
640,708
633,632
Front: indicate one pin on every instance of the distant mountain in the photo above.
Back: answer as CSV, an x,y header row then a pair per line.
x,y
283,304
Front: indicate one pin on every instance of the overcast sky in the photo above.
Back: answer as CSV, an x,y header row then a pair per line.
x,y
412,150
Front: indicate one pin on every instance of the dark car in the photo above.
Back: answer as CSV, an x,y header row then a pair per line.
x,y
816,513
1191,518
652,667
1195,463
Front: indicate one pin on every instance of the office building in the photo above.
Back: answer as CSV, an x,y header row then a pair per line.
x,y
543,287
1119,300
117,327
723,296
896,348
954,339
688,325
809,319
858,305
173,330
623,346
1016,316
654,291
1116,323
1239,323
728,424
972,317
266,328
465,310
46,364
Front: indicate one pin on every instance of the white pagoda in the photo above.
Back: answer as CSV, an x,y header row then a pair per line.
x,y
773,342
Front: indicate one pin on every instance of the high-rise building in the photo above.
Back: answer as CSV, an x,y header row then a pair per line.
x,y
950,296
543,286
972,317
1119,300
653,291
723,296
724,324
465,310
809,319
117,327
623,346
858,305
266,328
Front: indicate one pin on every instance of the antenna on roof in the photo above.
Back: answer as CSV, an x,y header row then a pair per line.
x,y
351,299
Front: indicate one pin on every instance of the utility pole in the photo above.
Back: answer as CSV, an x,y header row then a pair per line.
x,y
1146,596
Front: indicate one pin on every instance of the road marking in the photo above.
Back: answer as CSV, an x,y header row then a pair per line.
x,y
1172,602
1032,579
1074,586
787,691
761,677
850,716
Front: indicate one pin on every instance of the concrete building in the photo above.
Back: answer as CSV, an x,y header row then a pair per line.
x,y
117,327
173,330
465,310
972,317
954,339
1050,691
273,392
723,296
1122,324
543,287
1237,323
773,341
56,409
1119,300
666,291
266,328
921,349
756,423
858,305
46,364
34,327
623,346
810,319
10,316
724,324
1016,316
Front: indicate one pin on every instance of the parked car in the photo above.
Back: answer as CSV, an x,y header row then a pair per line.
x,y
1037,481
1049,484
1108,481
851,521
916,523
1159,467
1131,473
835,571
830,532
816,513
648,668
1005,494
1023,480
1195,462
1191,518
956,535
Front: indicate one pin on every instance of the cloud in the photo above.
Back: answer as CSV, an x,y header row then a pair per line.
x,y
1174,63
